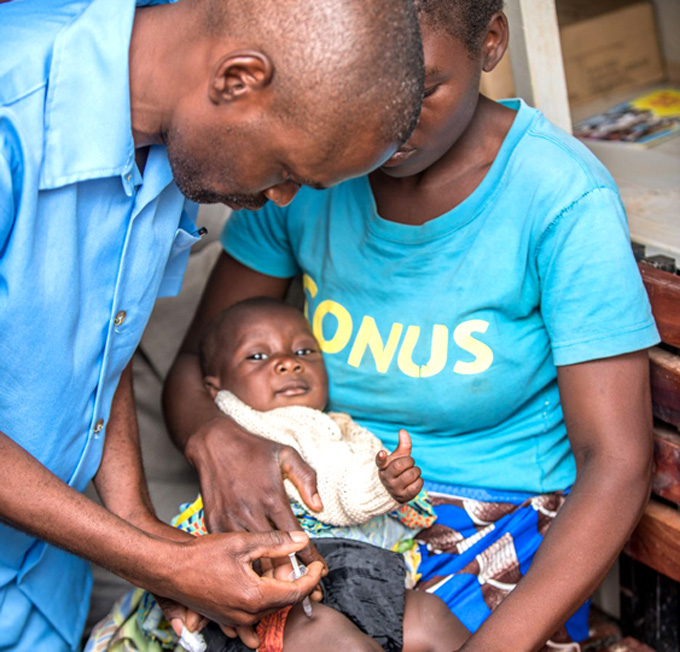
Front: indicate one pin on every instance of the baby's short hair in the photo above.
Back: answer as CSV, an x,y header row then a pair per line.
x,y
466,20
209,346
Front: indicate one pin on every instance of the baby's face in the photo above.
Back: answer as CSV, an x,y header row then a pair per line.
x,y
273,360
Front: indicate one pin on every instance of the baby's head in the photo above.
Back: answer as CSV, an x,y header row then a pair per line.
x,y
263,352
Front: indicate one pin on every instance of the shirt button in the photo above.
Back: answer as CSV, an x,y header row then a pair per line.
x,y
98,426
120,317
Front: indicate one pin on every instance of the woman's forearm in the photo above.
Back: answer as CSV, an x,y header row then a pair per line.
x,y
579,548
607,412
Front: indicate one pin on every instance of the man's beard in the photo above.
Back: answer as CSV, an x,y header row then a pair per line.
x,y
187,176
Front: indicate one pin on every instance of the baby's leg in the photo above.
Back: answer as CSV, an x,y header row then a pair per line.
x,y
326,631
429,625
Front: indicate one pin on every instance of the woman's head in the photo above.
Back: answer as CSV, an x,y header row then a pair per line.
x,y
461,38
263,351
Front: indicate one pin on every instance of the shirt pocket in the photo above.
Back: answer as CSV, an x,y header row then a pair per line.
x,y
185,237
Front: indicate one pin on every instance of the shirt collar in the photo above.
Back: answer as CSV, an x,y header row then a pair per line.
x,y
88,132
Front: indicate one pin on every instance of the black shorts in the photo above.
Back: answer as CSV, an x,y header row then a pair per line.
x,y
364,582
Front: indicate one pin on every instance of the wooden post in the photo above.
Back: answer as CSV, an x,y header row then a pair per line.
x,y
536,57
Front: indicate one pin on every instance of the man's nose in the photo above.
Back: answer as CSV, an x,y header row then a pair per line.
x,y
286,364
283,193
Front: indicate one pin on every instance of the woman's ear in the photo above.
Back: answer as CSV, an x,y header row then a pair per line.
x,y
212,384
238,74
495,42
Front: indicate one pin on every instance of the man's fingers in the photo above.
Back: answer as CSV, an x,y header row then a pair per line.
x,y
248,635
279,593
302,476
273,544
381,459
284,520
229,631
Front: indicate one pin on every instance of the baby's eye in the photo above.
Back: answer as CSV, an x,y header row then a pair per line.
x,y
258,356
304,352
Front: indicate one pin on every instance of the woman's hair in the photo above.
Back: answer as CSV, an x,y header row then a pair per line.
x,y
465,20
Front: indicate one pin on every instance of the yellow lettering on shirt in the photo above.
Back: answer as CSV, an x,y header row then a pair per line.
x,y
462,336
343,332
369,336
438,352
310,287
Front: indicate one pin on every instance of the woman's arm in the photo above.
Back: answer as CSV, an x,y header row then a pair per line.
x,y
607,410
223,453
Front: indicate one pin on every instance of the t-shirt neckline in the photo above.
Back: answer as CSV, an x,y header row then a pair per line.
x,y
471,206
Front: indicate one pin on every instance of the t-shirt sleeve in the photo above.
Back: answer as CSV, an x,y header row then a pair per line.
x,y
260,240
593,301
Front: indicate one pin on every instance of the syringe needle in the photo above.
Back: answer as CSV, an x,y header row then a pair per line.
x,y
299,571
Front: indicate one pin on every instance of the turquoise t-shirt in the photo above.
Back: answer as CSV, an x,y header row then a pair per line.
x,y
452,329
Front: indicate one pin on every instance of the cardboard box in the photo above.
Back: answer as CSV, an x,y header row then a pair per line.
x,y
608,46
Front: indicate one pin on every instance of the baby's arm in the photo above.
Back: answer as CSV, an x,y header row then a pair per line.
x,y
398,471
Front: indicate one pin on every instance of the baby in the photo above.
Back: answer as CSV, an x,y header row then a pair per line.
x,y
264,368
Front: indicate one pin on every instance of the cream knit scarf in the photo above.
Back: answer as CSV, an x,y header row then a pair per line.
x,y
340,451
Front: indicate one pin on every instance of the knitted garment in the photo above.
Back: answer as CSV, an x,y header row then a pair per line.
x,y
340,451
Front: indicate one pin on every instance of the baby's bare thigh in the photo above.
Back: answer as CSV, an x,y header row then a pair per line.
x,y
429,625
326,631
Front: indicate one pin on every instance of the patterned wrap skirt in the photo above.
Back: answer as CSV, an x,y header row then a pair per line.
x,y
481,545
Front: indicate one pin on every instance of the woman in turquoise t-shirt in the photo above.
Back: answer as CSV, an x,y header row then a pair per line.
x,y
478,290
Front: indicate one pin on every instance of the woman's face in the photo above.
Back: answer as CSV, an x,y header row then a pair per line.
x,y
451,94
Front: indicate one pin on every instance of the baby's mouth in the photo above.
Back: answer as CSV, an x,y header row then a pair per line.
x,y
293,388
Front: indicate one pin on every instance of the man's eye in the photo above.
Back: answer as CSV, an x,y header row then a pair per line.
x,y
258,356
304,352
430,91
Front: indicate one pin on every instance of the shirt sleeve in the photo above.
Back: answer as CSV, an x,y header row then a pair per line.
x,y
260,240
593,301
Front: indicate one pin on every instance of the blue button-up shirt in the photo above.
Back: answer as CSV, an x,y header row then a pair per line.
x,y
86,246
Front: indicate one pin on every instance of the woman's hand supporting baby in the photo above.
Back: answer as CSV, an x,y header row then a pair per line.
x,y
398,471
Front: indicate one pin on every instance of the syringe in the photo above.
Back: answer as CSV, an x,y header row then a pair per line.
x,y
298,571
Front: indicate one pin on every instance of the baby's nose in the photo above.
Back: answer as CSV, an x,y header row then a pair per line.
x,y
287,364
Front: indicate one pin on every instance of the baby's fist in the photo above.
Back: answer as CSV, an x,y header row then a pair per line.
x,y
398,471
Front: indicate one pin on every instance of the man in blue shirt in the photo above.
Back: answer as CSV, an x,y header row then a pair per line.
x,y
109,118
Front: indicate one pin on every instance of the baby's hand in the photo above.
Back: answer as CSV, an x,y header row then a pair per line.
x,y
398,470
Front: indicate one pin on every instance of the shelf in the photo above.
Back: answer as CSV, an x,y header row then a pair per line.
x,y
649,181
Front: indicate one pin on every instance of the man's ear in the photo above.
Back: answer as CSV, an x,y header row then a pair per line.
x,y
212,384
495,42
238,74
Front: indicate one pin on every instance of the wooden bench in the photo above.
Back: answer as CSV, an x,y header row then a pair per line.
x,y
650,567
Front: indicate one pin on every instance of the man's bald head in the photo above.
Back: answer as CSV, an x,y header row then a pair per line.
x,y
333,58
254,98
